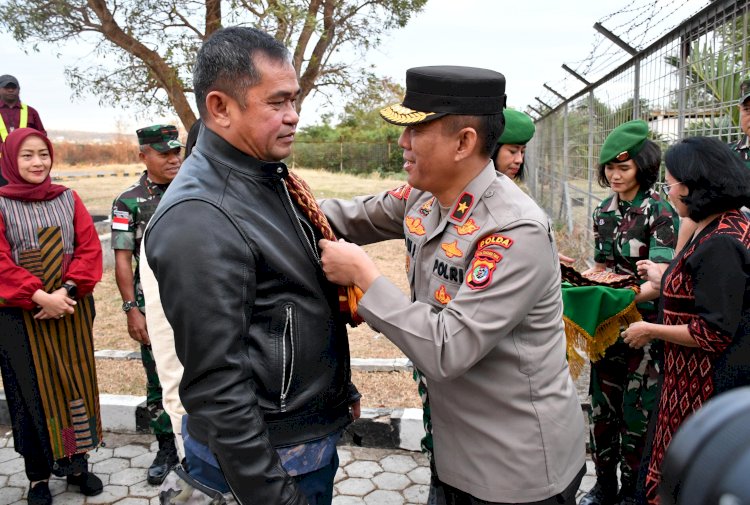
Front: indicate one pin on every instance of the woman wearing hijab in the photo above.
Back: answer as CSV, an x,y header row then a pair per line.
x,y
50,261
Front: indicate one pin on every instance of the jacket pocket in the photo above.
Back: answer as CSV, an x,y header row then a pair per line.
x,y
288,355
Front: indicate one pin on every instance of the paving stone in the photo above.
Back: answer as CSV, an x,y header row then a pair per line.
x,y
57,486
12,466
381,497
155,501
417,493
143,461
398,463
420,475
127,477
10,495
345,457
367,454
111,465
587,483
18,479
340,474
3,481
69,498
391,481
110,494
144,490
154,446
355,487
348,500
130,451
134,501
100,454
8,453
363,469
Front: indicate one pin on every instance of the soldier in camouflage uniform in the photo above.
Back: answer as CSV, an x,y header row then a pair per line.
x,y
633,224
131,212
742,146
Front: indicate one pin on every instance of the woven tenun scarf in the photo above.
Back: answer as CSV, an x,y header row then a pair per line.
x,y
595,308
300,192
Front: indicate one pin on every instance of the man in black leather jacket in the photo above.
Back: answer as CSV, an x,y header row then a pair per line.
x,y
266,380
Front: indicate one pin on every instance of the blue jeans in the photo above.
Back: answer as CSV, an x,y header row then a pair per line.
x,y
317,486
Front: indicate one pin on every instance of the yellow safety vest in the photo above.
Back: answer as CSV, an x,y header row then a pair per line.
x,y
23,123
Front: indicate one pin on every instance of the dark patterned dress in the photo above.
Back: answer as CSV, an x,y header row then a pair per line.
x,y
707,287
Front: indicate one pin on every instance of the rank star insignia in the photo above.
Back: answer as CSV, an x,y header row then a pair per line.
x,y
462,207
442,295
452,250
414,224
468,228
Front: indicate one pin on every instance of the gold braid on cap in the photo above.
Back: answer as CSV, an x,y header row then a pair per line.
x,y
400,114
349,296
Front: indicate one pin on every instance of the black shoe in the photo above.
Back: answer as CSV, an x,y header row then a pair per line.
x,y
600,495
39,494
166,459
89,484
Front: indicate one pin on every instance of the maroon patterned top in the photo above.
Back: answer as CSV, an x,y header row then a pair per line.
x,y
706,287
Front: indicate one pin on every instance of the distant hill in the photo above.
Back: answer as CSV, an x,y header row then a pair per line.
x,y
79,137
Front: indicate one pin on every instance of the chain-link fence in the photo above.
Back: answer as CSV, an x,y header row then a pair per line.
x,y
684,83
350,157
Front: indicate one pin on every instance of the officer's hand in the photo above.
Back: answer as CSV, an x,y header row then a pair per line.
x,y
356,410
137,327
637,334
566,259
345,264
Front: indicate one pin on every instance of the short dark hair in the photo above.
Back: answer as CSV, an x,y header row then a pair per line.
x,y
521,175
647,161
716,178
225,63
489,127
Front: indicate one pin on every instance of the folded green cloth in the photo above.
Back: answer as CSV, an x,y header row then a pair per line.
x,y
593,317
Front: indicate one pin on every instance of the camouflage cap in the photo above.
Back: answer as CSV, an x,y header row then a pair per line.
x,y
745,89
624,142
160,137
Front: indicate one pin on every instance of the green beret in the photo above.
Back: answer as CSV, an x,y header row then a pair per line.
x,y
624,142
519,128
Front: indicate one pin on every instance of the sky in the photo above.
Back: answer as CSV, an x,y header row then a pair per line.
x,y
528,45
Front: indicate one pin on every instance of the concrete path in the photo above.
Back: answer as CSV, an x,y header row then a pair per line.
x,y
366,476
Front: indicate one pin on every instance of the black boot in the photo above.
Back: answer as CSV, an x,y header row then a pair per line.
x,y
626,496
88,483
39,494
166,459
604,491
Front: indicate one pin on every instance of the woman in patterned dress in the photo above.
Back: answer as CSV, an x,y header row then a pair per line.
x,y
50,261
705,290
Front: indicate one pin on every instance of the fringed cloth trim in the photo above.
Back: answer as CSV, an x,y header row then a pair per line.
x,y
606,334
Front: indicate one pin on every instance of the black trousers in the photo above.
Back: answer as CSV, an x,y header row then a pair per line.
x,y
448,495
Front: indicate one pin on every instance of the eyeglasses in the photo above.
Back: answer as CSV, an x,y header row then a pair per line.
x,y
663,187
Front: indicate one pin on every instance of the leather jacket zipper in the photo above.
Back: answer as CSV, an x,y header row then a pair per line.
x,y
286,384
303,224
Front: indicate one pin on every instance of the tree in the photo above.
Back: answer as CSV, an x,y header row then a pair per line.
x,y
149,46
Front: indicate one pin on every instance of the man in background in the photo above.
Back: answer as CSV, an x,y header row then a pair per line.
x,y
131,212
13,113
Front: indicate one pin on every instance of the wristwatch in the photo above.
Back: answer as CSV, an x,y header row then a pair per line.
x,y
130,304
71,288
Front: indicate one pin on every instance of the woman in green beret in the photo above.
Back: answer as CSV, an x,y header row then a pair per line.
x,y
511,146
632,224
